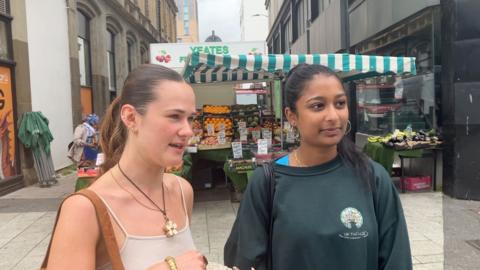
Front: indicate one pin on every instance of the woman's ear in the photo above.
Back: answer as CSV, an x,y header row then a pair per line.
x,y
129,117
291,116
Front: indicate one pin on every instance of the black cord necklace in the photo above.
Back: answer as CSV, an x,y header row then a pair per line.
x,y
170,227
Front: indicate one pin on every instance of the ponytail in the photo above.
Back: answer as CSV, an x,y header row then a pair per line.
x,y
113,136
355,159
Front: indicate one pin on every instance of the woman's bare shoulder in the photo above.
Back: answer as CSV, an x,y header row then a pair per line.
x,y
184,183
78,207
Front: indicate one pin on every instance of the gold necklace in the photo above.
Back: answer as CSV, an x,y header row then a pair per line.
x,y
298,160
170,227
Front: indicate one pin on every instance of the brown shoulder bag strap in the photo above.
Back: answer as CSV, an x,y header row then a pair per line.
x,y
108,236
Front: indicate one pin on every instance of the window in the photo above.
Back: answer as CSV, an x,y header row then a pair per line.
x,y
146,8
144,55
4,6
83,40
186,28
298,20
112,85
185,13
285,42
314,9
276,44
5,49
129,54
388,103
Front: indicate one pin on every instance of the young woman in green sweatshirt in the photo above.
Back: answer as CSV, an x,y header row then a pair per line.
x,y
333,208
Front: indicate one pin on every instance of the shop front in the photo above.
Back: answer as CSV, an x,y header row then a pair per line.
x,y
10,178
238,137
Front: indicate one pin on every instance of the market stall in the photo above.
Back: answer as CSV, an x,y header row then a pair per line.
x,y
265,138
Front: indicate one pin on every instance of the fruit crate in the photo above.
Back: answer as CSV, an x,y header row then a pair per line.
x,y
216,109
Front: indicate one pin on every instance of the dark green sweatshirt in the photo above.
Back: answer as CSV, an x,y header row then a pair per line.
x,y
324,217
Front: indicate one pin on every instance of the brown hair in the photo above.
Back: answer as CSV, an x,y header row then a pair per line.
x,y
138,91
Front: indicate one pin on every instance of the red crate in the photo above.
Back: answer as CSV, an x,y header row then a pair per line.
x,y
415,183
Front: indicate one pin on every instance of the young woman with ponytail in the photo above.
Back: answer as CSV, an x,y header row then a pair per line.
x,y
332,207
144,130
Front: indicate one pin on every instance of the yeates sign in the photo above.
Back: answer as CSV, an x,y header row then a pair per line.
x,y
173,55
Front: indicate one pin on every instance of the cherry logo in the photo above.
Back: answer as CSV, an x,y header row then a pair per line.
x,y
254,51
164,57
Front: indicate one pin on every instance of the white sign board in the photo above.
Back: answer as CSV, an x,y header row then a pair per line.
x,y
262,147
243,134
210,129
174,55
237,149
221,137
267,135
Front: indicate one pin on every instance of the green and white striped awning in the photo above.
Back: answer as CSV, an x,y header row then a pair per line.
x,y
208,68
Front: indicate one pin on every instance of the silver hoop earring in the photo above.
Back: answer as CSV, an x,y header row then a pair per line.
x,y
349,127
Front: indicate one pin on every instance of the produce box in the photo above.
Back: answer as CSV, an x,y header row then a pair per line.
x,y
416,183
216,109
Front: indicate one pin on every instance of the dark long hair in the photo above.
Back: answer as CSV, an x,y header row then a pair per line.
x,y
138,91
294,85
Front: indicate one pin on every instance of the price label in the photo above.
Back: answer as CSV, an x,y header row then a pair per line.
x,y
222,126
243,134
237,150
266,133
242,125
256,134
221,137
210,129
262,147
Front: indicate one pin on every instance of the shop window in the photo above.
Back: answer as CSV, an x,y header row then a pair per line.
x,y
388,103
84,55
112,85
423,54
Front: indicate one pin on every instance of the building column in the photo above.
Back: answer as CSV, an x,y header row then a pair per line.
x,y
74,64
22,82
460,99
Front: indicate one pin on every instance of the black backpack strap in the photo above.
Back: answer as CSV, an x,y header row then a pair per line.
x,y
373,187
270,183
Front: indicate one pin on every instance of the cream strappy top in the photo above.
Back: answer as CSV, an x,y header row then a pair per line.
x,y
141,252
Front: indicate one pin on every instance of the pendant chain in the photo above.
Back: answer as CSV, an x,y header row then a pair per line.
x,y
164,211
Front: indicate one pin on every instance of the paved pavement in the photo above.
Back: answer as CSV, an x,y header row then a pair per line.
x,y
27,216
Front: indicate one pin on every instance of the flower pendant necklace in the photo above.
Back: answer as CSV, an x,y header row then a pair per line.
x,y
170,227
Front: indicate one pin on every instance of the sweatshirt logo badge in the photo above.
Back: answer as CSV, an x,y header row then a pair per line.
x,y
352,219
